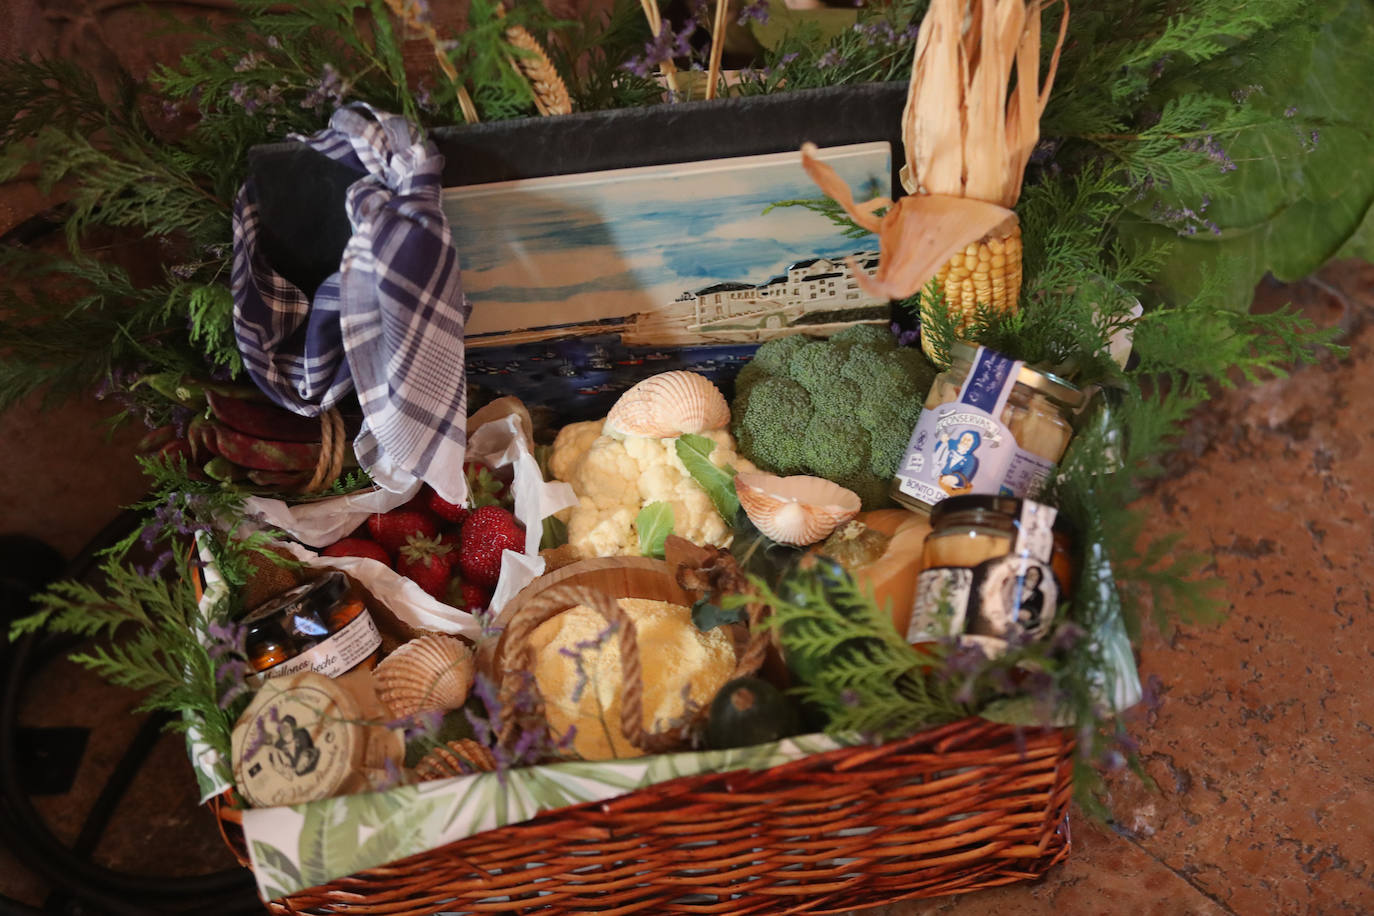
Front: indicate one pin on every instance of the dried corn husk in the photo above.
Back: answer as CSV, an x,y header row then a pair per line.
x,y
967,143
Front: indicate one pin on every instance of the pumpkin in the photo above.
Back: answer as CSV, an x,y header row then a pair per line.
x,y
749,711
892,575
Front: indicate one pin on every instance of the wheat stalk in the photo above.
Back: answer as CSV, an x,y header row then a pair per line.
x,y
550,92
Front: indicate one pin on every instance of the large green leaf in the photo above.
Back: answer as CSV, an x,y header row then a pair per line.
x,y
1290,206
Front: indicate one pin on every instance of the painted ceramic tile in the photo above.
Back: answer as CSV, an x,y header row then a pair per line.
x,y
582,285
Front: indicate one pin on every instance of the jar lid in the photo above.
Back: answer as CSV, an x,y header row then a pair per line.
x,y
1009,506
1041,380
318,595
300,739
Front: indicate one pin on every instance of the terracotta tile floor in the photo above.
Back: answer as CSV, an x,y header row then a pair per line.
x,y
1261,749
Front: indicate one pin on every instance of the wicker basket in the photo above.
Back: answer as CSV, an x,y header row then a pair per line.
x,y
950,810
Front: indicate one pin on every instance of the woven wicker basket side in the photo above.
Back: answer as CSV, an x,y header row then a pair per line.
x,y
950,810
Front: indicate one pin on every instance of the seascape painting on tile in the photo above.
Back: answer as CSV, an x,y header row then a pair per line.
x,y
582,285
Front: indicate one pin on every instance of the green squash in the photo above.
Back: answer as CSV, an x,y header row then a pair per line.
x,y
749,711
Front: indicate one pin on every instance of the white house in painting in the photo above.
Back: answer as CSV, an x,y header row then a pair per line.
x,y
813,285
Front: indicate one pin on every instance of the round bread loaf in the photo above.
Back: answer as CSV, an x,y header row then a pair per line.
x,y
578,671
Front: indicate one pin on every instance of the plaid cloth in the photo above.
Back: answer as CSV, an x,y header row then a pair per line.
x,y
389,324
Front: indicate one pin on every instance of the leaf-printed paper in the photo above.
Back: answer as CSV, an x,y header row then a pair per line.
x,y
335,837
275,870
653,525
719,483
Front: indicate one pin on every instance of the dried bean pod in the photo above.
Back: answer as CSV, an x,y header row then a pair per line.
x,y
262,454
251,414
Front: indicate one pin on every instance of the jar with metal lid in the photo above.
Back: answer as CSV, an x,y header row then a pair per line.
x,y
991,425
994,568
318,626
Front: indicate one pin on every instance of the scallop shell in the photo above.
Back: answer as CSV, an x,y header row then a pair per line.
x,y
795,510
457,758
432,672
669,404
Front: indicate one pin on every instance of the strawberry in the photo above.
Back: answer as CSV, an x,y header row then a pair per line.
x,y
393,529
467,596
358,547
428,563
449,512
488,531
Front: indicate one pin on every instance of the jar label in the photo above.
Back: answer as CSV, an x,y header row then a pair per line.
x,y
340,653
1005,598
963,446
1013,596
296,745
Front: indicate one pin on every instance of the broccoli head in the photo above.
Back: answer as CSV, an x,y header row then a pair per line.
x,y
841,408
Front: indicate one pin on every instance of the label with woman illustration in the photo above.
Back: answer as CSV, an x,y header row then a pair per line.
x,y
1011,595
963,447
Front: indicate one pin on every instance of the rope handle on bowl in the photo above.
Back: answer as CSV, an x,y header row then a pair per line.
x,y
520,668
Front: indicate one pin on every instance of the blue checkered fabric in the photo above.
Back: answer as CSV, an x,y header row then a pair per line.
x,y
389,324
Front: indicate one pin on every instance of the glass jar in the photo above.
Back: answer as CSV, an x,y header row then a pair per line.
x,y
994,568
990,425
318,626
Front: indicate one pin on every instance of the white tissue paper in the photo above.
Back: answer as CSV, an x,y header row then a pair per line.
x,y
498,442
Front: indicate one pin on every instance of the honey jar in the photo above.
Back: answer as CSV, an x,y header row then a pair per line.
x,y
991,424
318,627
994,569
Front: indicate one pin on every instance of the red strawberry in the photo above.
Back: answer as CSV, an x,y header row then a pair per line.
x,y
488,531
393,529
449,512
357,547
428,563
467,595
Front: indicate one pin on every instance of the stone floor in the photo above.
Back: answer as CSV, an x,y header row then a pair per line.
x,y
1258,751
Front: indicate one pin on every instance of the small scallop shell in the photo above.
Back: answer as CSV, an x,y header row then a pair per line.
x,y
670,404
457,758
432,672
795,510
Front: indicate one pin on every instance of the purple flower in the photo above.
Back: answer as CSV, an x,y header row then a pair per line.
x,y
1212,150
1290,111
665,46
753,11
183,271
965,659
1066,637
238,93
248,62
274,42
419,725
831,58
330,89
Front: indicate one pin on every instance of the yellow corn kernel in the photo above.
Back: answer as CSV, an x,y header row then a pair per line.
x,y
987,272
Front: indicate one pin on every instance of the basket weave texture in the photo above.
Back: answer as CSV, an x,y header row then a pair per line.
x,y
950,810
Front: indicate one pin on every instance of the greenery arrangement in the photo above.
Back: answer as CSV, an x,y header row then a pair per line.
x,y
1189,147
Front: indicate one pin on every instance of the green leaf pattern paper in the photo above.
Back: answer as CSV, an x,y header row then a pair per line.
x,y
213,774
301,846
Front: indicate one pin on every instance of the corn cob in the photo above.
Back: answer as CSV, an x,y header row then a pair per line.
x,y
987,272
968,133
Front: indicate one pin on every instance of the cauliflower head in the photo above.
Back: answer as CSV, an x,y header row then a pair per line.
x,y
615,476
841,408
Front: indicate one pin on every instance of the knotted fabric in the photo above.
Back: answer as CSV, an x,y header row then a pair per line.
x,y
389,324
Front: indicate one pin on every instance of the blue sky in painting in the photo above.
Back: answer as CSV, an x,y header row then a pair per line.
x,y
628,241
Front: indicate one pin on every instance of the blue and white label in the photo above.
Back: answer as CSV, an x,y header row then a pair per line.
x,y
963,446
